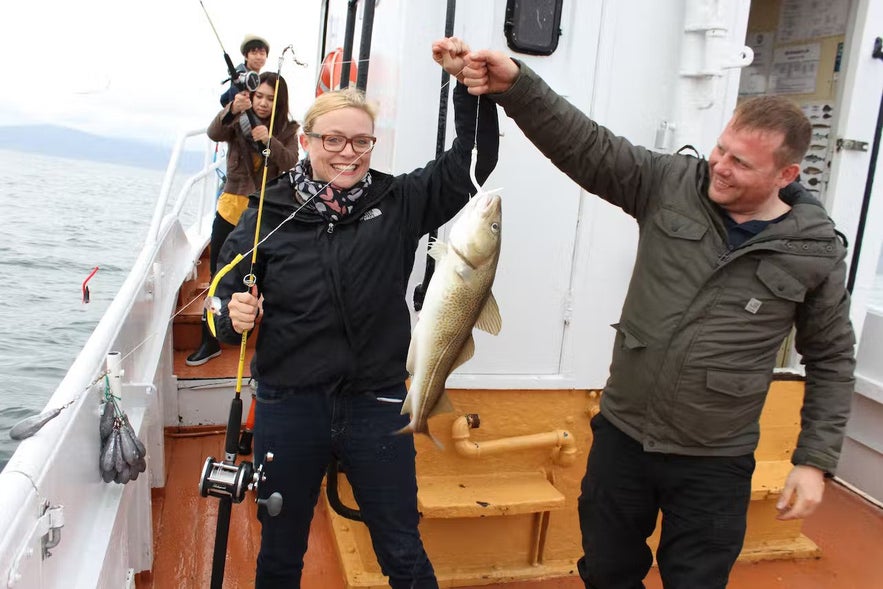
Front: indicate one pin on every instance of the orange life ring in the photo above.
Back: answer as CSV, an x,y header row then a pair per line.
x,y
329,73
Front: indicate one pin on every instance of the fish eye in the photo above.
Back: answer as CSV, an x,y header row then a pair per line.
x,y
495,227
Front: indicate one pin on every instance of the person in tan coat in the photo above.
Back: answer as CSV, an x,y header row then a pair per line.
x,y
245,125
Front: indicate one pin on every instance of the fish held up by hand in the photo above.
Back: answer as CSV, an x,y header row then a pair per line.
x,y
458,298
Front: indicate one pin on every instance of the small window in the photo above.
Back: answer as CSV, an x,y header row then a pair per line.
x,y
533,26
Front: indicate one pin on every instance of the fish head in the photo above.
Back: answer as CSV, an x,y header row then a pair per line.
x,y
477,232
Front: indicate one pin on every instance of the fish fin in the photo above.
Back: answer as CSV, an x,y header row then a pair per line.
x,y
435,441
443,405
411,362
465,354
437,249
465,272
406,404
409,429
489,319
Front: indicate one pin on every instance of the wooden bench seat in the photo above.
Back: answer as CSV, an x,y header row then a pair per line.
x,y
483,495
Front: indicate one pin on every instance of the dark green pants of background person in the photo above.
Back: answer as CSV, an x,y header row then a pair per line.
x,y
704,501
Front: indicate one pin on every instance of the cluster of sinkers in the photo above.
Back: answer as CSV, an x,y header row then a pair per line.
x,y
122,453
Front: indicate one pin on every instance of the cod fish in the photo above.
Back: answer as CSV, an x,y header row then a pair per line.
x,y
458,298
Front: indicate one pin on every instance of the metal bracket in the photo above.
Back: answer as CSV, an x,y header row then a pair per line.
x,y
852,144
48,528
54,520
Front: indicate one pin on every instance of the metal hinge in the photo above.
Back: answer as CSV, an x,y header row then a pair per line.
x,y
48,529
53,518
852,144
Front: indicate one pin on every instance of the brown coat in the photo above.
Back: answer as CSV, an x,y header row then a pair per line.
x,y
242,178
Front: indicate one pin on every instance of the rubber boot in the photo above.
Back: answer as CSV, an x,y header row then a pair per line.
x,y
208,349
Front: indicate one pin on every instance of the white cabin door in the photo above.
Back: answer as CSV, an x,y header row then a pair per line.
x,y
859,105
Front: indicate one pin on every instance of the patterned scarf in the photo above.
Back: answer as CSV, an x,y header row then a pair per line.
x,y
332,203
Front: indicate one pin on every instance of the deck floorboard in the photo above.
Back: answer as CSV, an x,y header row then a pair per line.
x,y
848,529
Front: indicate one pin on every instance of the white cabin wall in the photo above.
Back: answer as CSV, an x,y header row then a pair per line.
x,y
638,87
631,95
858,101
567,256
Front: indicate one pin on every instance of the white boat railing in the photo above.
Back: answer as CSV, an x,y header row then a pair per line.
x,y
159,210
58,466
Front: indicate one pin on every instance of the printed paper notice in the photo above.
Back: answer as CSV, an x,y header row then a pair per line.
x,y
809,19
794,69
753,79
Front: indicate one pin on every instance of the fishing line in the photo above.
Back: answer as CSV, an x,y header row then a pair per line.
x,y
473,160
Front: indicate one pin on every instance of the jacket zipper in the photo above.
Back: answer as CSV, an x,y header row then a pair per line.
x,y
722,259
330,229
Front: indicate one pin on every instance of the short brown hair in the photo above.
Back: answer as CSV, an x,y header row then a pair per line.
x,y
330,101
780,115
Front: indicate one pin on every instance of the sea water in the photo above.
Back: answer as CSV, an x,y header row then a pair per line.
x,y
60,219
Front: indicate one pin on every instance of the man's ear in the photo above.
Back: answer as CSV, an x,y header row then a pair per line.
x,y
788,174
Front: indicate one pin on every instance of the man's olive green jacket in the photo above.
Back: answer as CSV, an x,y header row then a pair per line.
x,y
701,324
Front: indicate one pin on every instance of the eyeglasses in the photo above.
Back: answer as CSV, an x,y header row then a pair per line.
x,y
337,143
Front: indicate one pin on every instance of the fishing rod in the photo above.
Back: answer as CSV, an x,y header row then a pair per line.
x,y
224,479
246,80
243,81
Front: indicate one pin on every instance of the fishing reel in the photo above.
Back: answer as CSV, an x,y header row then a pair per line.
x,y
246,81
221,479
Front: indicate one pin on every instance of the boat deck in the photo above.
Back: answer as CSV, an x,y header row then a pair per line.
x,y
847,529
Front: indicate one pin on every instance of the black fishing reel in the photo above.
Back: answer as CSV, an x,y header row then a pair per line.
x,y
246,81
221,479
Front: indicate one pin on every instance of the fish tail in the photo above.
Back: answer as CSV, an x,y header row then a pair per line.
x,y
411,428
435,441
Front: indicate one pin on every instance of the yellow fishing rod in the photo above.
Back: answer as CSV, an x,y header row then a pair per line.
x,y
224,479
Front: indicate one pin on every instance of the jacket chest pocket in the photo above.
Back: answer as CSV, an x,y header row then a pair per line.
x,y
679,226
780,283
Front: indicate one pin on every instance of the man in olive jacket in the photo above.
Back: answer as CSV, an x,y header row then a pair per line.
x,y
732,254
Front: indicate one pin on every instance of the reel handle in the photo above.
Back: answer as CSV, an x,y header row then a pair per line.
x,y
273,503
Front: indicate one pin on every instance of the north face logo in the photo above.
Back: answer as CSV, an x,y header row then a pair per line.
x,y
370,214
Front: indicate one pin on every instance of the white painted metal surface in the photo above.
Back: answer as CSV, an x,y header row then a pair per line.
x,y
861,463
859,90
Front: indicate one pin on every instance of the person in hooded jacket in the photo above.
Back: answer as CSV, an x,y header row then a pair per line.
x,y
330,354
255,51
246,139
733,254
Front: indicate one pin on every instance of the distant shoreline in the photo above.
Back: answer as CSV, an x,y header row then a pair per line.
x,y
57,141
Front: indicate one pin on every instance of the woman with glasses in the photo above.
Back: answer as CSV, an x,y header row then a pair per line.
x,y
333,339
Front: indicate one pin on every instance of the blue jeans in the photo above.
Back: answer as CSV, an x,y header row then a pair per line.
x,y
703,499
304,428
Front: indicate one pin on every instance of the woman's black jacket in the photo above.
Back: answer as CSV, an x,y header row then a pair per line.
x,y
335,310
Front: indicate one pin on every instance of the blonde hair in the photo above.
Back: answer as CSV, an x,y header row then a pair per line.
x,y
330,101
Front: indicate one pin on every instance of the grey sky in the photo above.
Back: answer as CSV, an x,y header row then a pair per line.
x,y
143,70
